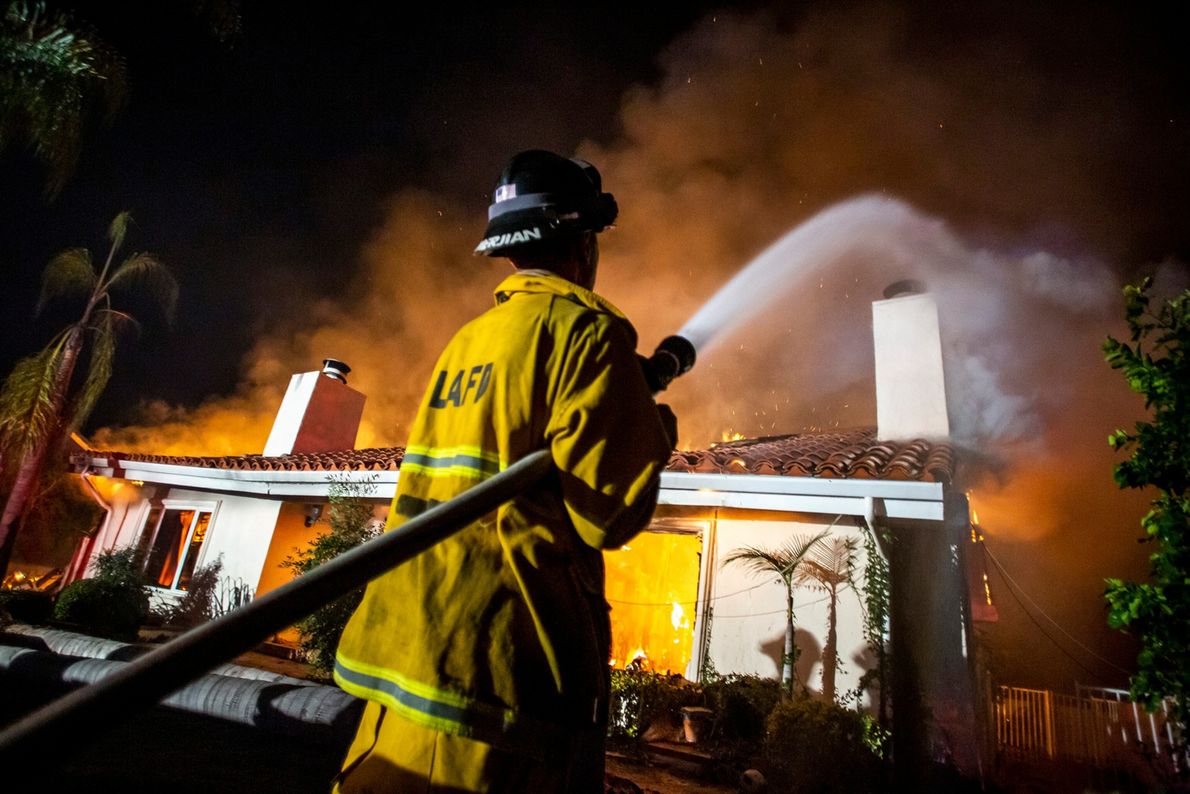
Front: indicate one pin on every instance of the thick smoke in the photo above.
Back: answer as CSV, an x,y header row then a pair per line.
x,y
417,284
756,124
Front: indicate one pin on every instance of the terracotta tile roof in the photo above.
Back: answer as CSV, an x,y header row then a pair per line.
x,y
841,454
374,459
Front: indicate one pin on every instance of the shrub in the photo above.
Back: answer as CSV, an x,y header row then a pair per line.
x,y
812,746
201,601
741,704
350,525
640,699
113,603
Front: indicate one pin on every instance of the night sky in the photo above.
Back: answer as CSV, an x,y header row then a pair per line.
x,y
257,170
318,184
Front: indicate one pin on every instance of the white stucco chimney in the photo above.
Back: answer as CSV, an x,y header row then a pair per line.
x,y
910,390
320,413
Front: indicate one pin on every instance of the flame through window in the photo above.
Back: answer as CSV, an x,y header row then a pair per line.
x,y
176,547
652,584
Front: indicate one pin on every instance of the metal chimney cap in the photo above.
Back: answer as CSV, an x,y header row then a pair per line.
x,y
907,286
333,368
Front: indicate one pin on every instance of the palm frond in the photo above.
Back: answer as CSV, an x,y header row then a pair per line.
x,y
756,560
146,273
782,561
829,565
118,228
797,547
121,322
99,369
69,273
26,401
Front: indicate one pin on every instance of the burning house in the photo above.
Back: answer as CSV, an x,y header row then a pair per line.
x,y
676,608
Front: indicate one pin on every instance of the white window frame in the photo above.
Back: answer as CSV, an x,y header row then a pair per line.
x,y
143,527
198,507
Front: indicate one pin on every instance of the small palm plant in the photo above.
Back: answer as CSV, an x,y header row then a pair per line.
x,y
830,568
783,561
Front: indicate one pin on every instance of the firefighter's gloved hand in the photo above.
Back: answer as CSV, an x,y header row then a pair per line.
x,y
669,421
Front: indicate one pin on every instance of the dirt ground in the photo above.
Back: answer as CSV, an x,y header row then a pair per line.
x,y
661,779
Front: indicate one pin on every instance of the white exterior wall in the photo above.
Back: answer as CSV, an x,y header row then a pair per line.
x,y
129,507
748,621
241,527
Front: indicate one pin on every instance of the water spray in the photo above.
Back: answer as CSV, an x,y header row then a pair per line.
x,y
672,358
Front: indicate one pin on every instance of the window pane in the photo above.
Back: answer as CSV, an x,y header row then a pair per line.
x,y
192,550
167,547
146,532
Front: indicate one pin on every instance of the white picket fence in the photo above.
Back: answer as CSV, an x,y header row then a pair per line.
x,y
1096,726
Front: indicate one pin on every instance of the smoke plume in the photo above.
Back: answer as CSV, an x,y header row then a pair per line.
x,y
974,183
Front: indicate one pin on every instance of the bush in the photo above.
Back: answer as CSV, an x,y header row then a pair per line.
x,y
201,602
113,603
741,704
812,746
350,525
640,700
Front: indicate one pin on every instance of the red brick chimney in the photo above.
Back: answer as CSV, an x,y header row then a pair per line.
x,y
320,413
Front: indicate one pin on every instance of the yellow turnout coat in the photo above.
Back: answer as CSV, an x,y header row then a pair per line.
x,y
501,633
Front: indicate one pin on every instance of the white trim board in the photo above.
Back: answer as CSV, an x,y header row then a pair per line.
x,y
901,498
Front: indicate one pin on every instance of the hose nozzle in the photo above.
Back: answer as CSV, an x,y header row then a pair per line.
x,y
673,357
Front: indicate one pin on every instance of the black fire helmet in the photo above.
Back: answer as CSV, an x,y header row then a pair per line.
x,y
542,195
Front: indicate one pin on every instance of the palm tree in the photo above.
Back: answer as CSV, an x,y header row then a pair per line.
x,y
42,400
830,568
783,561
52,69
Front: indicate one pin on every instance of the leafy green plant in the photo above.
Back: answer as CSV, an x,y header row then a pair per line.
x,y
812,746
740,705
640,699
1157,612
876,589
113,603
201,601
350,520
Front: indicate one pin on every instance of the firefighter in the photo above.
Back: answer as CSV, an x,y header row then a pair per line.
x,y
484,660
